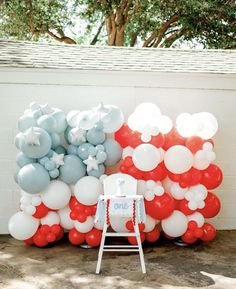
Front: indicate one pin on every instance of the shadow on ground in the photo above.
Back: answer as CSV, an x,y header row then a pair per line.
x,y
204,265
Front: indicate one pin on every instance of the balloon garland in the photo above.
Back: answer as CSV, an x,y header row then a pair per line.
x,y
173,165
63,159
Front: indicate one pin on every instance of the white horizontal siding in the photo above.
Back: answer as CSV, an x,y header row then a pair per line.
x,y
173,93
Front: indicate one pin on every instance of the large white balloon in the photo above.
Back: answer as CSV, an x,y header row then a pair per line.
x,y
118,224
146,157
112,119
185,125
50,219
65,220
206,124
178,159
149,224
175,225
177,192
57,195
22,226
86,226
87,190
198,218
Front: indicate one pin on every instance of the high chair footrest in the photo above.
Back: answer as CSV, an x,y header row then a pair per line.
x,y
121,235
120,246
121,250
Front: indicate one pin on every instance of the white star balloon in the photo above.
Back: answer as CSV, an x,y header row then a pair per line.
x,y
32,137
58,159
92,163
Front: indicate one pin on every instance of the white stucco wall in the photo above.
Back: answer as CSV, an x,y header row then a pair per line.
x,y
173,93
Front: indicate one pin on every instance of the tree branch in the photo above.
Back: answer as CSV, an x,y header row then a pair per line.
x,y
95,38
171,39
63,38
160,32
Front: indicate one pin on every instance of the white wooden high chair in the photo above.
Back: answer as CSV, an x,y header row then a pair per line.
x,y
120,198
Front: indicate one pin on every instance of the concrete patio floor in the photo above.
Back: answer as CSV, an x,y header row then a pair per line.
x,y
203,265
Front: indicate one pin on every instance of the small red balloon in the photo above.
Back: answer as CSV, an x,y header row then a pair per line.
x,y
212,177
50,237
44,229
191,178
88,210
188,237
41,211
212,206
198,233
75,237
158,140
73,215
73,202
194,143
209,232
81,217
129,225
56,229
93,237
157,174
192,225
128,162
183,207
160,207
29,241
133,241
40,240
173,138
153,236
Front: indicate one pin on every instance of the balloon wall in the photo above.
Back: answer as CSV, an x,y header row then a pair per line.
x,y
60,163
173,164
63,160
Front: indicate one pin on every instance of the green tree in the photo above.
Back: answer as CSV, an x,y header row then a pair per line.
x,y
148,23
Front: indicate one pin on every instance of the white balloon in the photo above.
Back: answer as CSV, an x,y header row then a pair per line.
x,y
158,190
177,192
149,224
198,218
167,183
149,195
141,187
185,125
165,124
178,159
36,200
25,200
99,225
175,225
118,223
22,226
206,124
146,157
200,164
113,119
87,190
30,210
57,195
50,219
86,226
65,220
127,152
199,189
72,118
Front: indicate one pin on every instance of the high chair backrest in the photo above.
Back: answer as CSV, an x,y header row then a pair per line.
x,y
120,184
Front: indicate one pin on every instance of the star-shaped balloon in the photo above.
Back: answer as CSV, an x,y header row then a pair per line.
x,y
46,109
92,163
78,134
58,159
32,137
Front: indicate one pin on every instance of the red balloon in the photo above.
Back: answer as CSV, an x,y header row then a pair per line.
x,y
192,225
122,135
128,162
81,217
157,174
50,237
79,208
40,239
134,172
212,177
153,236
209,232
60,235
73,215
129,225
198,233
41,211
141,227
174,177
158,140
183,207
188,237
194,143
75,237
88,210
133,241
93,237
192,177
73,202
44,229
212,206
160,207
56,229
94,209
173,138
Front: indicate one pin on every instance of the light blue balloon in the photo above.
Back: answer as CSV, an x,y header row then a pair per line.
x,y
49,154
16,174
22,160
101,156
18,139
54,173
55,140
34,106
60,118
113,150
92,151
97,173
100,147
33,178
73,141
95,136
47,122
83,151
43,160
37,151
37,113
72,150
50,165
72,170
25,122
66,132
60,150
